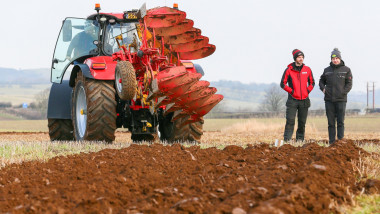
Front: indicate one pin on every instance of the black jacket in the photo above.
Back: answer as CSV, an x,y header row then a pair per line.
x,y
337,82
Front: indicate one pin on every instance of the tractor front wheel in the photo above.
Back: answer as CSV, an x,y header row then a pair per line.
x,y
94,110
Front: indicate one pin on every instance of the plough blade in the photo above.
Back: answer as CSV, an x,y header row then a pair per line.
x,y
186,82
163,17
186,37
172,107
198,54
191,120
179,114
193,92
177,29
207,106
172,87
165,75
162,101
191,105
198,43
204,96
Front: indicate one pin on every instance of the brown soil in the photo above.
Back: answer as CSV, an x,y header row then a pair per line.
x,y
175,179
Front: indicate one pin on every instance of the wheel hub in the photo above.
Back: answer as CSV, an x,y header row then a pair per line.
x,y
81,111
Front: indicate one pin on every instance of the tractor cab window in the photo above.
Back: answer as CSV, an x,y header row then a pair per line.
x,y
121,34
75,40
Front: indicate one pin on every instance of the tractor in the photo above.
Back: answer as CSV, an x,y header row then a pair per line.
x,y
129,70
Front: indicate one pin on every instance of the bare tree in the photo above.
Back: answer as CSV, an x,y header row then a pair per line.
x,y
42,100
274,99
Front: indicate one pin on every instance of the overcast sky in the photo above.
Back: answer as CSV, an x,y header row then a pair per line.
x,y
254,38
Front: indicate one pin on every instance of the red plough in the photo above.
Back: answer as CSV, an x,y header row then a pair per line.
x,y
178,88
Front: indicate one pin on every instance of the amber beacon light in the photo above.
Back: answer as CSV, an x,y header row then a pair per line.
x,y
97,7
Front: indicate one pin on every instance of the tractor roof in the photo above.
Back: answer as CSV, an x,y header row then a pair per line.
x,y
120,17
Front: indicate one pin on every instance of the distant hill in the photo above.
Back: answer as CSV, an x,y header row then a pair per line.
x,y
10,76
239,96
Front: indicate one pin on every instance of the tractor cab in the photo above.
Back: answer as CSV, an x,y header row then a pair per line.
x,y
98,35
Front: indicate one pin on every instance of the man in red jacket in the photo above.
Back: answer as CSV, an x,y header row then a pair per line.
x,y
298,81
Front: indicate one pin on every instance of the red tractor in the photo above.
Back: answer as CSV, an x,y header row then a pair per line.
x,y
129,70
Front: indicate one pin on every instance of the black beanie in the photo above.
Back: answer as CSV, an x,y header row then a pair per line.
x,y
296,53
336,53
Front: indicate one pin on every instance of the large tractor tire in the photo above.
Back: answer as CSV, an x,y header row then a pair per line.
x,y
174,132
94,110
60,130
125,80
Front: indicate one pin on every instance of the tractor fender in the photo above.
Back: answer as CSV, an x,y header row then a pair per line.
x,y
85,71
59,105
199,69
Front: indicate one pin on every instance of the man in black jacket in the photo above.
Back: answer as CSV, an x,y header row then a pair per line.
x,y
335,83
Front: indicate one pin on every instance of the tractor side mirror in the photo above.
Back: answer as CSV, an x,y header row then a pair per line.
x,y
67,31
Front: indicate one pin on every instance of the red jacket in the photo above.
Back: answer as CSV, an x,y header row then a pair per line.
x,y
298,83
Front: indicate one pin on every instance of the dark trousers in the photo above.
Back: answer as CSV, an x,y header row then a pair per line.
x,y
335,112
292,107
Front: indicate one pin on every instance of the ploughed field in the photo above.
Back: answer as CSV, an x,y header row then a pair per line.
x,y
158,178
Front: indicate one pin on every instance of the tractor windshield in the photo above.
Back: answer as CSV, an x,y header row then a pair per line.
x,y
121,34
75,40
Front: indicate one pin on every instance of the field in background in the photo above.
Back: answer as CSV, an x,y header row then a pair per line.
x,y
317,124
17,94
352,124
233,131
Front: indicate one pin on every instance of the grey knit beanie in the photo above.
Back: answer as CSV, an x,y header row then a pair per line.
x,y
336,53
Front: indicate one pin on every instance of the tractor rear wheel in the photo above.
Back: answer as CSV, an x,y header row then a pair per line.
x,y
173,131
94,110
125,80
60,130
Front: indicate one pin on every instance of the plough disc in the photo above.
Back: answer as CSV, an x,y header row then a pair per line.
x,y
175,87
194,92
198,43
198,54
163,17
177,29
207,106
186,37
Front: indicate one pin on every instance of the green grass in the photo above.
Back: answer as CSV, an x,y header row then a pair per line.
x,y
365,204
17,152
370,147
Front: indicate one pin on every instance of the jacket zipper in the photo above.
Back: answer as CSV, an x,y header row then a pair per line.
x,y
332,88
299,77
